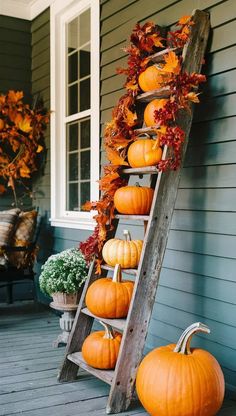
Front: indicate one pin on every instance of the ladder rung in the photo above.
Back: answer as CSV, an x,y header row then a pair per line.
x,y
146,97
133,272
141,171
132,217
158,57
104,375
150,130
118,324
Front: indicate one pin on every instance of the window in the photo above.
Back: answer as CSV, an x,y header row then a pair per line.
x,y
75,116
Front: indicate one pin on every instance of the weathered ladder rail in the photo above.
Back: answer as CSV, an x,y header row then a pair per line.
x,y
147,277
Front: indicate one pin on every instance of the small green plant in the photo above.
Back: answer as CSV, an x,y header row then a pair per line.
x,y
63,272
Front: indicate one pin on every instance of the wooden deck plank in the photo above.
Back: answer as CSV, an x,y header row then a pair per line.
x,y
29,386
91,388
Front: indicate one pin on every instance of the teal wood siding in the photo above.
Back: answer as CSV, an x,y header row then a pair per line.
x,y
15,71
198,280
15,55
15,74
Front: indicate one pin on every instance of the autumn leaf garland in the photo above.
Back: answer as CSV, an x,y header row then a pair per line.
x,y
120,131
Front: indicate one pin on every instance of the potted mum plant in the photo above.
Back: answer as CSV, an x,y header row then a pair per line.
x,y
63,276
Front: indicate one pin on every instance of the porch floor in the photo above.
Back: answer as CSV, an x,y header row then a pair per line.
x,y
29,363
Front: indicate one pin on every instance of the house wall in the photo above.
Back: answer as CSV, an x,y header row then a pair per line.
x,y
15,74
198,278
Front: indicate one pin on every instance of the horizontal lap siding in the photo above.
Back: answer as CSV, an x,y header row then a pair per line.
x,y
198,277
15,74
40,67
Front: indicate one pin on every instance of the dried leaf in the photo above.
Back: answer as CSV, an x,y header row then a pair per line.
x,y
114,157
24,170
192,96
25,124
14,96
172,64
2,189
184,20
129,117
39,149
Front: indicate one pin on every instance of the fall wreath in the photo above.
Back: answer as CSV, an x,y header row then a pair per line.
x,y
21,140
120,131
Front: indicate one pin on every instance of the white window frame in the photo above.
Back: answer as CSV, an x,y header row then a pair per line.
x,y
60,15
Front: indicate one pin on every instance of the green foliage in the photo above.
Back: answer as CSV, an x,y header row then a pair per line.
x,y
63,272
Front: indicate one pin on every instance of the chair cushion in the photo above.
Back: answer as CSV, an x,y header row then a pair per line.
x,y
23,237
8,221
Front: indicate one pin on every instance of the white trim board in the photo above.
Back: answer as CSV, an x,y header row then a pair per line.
x,y
22,10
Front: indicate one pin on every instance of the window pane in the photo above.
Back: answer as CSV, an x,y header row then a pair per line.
x,y
84,193
84,61
85,134
84,27
84,95
73,167
85,165
72,35
73,67
73,200
73,99
73,137
78,31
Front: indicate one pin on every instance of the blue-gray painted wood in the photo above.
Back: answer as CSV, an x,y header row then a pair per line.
x,y
15,74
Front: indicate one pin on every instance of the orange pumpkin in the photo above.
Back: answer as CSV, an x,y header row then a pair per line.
x,y
144,152
124,252
150,79
175,380
149,112
110,298
101,348
134,200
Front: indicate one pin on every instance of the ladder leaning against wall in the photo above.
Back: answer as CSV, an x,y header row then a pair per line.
x,y
135,326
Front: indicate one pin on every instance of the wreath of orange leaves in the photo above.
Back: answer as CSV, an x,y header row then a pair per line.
x,y
21,139
119,132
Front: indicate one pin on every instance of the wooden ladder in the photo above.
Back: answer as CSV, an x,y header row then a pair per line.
x,y
135,326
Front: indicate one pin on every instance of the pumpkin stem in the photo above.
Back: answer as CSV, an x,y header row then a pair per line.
x,y
108,331
183,345
137,184
117,278
127,235
141,135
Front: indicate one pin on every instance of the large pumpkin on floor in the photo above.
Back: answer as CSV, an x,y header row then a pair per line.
x,y
149,112
175,380
124,252
110,298
133,200
101,348
150,79
144,152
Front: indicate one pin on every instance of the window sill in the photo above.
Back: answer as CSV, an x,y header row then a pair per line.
x,y
74,223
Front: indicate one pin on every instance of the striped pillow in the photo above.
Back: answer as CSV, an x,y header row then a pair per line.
x,y
8,221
